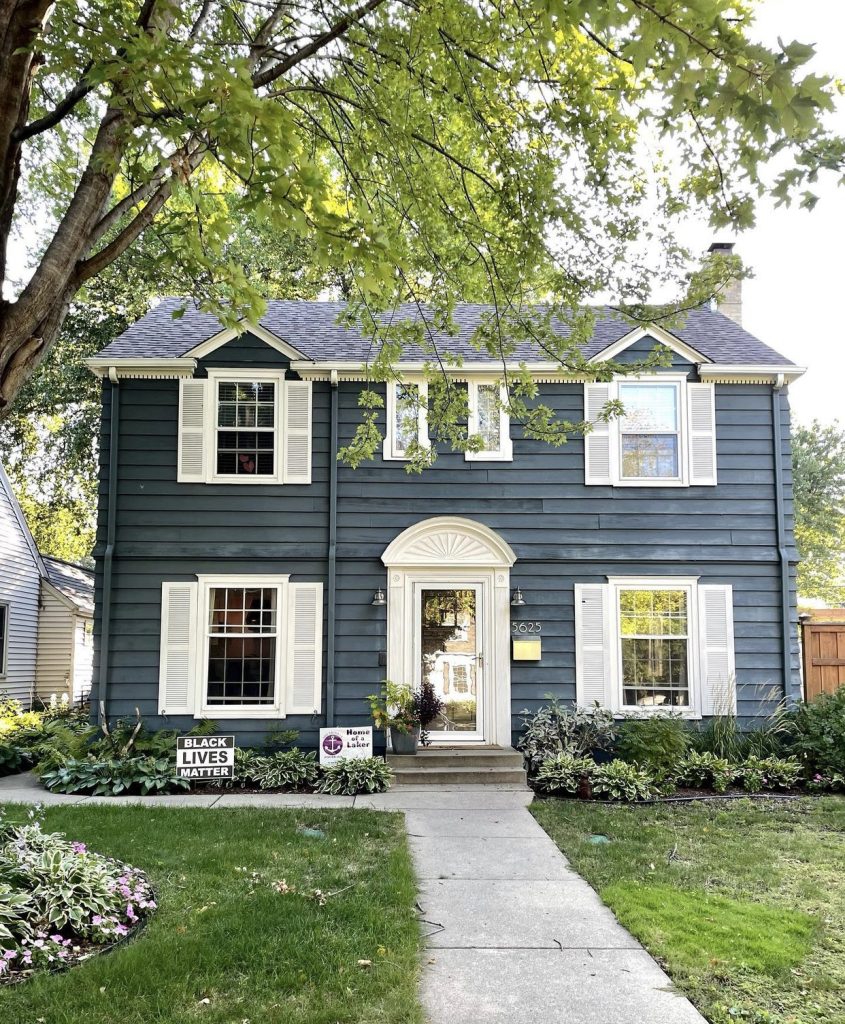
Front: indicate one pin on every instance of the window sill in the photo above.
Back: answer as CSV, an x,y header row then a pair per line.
x,y
633,714
221,712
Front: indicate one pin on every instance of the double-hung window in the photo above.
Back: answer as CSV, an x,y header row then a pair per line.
x,y
650,431
654,647
665,436
243,644
407,418
4,639
244,427
489,420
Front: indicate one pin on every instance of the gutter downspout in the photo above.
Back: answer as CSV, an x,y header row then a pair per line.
x,y
783,554
111,519
332,554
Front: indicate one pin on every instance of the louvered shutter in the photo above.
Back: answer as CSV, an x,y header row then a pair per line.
x,y
597,469
191,460
702,433
178,648
305,648
716,645
593,649
297,439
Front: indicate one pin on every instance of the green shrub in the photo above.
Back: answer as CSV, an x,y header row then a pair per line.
x,y
349,777
12,759
556,729
289,769
759,773
563,774
113,776
659,741
618,780
816,733
705,771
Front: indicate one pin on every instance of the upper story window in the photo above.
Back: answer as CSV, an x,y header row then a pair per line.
x,y
650,431
666,436
244,427
247,413
488,419
407,418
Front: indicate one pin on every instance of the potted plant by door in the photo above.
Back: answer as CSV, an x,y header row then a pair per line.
x,y
395,709
427,706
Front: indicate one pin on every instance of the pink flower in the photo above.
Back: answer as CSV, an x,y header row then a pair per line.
x,y
130,912
96,919
78,847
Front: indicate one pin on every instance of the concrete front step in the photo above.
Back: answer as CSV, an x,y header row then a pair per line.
x,y
458,757
471,776
459,766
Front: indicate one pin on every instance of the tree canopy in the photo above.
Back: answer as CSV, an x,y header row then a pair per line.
x,y
431,150
818,454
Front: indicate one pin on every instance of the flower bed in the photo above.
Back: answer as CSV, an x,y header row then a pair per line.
x,y
60,902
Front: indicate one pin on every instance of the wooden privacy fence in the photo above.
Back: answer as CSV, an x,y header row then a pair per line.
x,y
823,644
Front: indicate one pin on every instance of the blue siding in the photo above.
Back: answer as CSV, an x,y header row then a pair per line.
x,y
561,531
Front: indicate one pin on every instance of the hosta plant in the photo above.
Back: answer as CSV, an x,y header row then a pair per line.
x,y
113,776
563,774
705,771
758,773
289,769
618,780
350,777
58,899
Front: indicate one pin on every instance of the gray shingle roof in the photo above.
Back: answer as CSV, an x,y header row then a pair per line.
x,y
72,580
312,328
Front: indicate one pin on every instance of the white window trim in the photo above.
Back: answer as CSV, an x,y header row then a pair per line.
x,y
4,643
689,584
215,376
504,453
390,451
202,709
679,380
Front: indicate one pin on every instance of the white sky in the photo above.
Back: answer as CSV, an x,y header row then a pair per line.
x,y
792,303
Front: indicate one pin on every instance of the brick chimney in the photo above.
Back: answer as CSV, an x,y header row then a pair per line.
x,y
729,299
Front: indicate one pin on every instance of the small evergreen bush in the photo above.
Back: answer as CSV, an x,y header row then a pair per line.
x,y
350,777
618,780
658,741
563,774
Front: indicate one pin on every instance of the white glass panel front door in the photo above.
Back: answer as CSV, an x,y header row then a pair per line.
x,y
448,653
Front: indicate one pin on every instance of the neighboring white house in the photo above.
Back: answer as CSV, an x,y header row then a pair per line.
x,y
46,614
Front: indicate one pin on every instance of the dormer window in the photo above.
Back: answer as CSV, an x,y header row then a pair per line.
x,y
407,418
650,431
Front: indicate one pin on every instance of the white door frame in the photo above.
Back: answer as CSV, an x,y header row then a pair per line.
x,y
451,550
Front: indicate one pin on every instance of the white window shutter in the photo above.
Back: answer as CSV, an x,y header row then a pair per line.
x,y
191,459
716,644
702,433
593,648
305,648
297,432
597,469
177,663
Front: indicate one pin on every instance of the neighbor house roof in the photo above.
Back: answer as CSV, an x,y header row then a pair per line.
x,y
312,328
75,582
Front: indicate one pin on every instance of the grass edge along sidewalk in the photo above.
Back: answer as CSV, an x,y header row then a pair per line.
x,y
294,916
742,904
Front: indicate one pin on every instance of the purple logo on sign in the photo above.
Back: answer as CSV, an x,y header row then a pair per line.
x,y
332,744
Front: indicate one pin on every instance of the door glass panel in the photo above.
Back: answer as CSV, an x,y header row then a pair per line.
x,y
449,653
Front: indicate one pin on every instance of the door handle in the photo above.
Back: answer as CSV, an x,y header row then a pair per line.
x,y
480,659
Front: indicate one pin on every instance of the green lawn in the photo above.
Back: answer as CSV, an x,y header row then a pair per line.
x,y
225,947
743,903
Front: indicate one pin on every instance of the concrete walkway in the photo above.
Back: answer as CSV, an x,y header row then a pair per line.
x,y
513,934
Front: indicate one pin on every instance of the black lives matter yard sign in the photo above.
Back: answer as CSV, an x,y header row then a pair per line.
x,y
205,758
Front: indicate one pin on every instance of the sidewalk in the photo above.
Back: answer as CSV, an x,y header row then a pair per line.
x,y
513,935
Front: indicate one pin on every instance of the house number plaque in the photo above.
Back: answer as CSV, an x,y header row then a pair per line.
x,y
526,627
